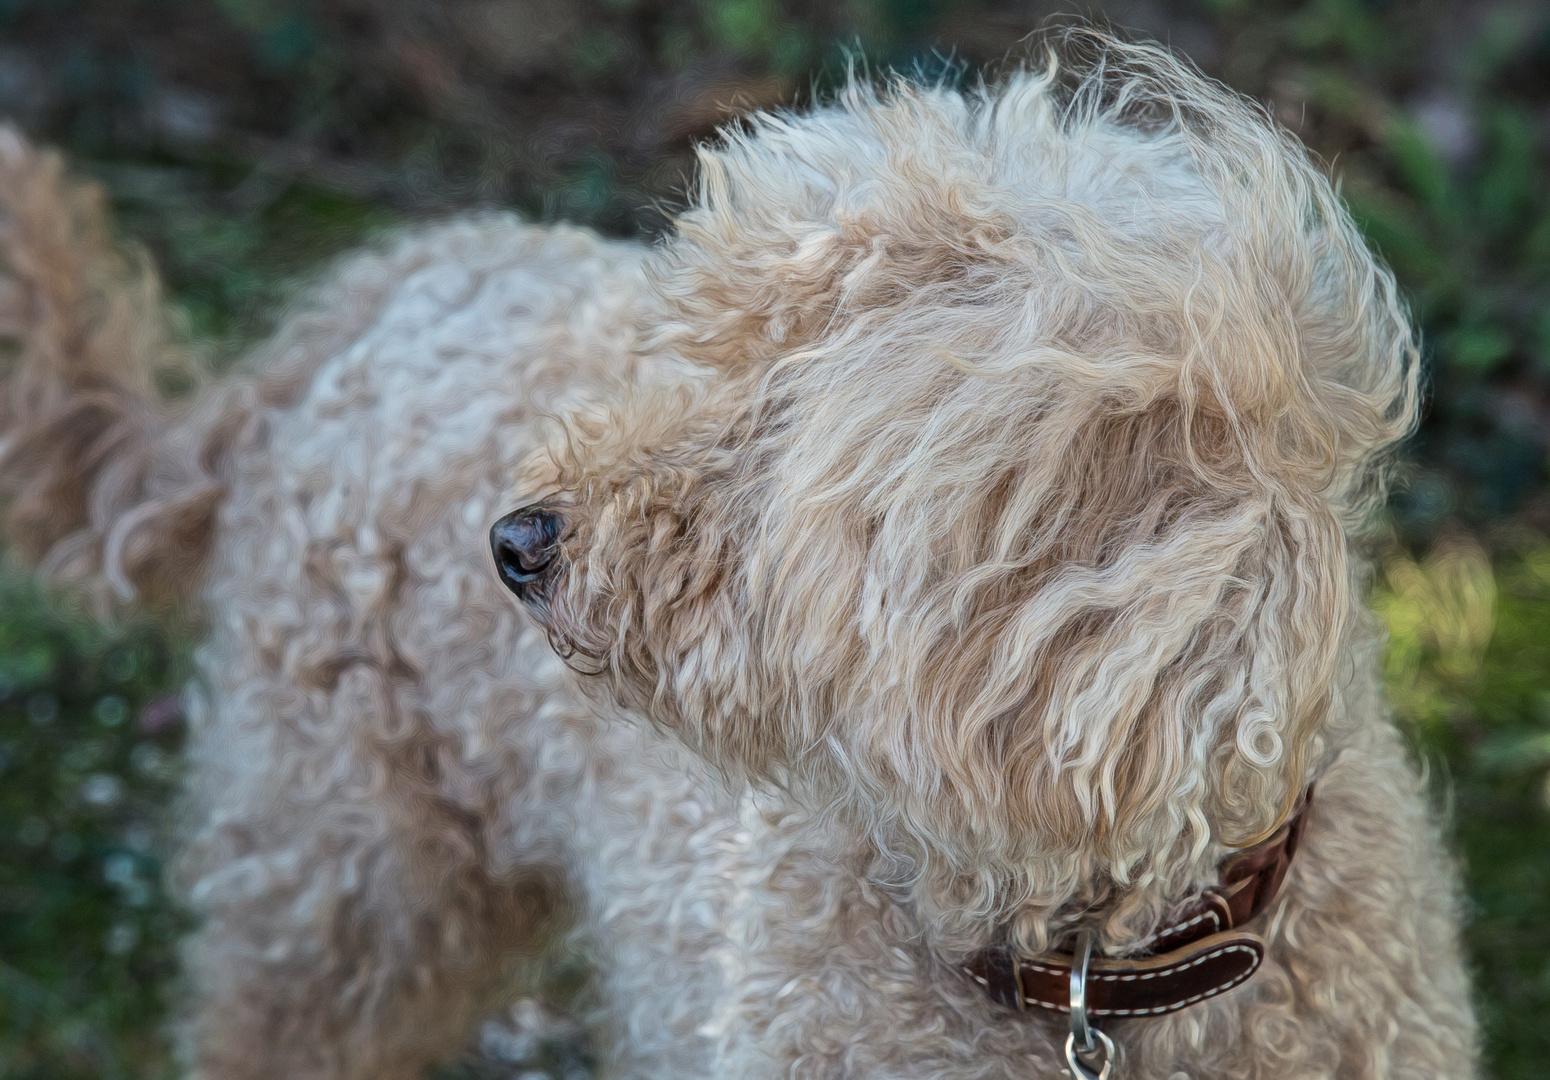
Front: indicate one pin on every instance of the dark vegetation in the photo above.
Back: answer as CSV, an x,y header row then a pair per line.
x,y
88,759
245,141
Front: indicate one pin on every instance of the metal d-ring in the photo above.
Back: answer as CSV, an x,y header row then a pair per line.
x,y
1085,1039
1080,1070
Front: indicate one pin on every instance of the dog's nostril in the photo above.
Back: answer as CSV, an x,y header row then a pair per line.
x,y
525,543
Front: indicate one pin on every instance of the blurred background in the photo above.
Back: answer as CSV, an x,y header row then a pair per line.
x,y
245,142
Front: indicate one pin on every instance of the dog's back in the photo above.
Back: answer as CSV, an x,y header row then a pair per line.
x,y
358,717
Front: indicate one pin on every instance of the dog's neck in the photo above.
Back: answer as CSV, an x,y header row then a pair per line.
x,y
1129,918
1202,950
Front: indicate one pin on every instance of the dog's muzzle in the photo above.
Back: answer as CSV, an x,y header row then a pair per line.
x,y
526,546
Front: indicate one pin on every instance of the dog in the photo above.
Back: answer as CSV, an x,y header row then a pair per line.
x,y
938,604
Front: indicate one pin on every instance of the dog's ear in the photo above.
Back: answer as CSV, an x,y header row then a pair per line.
x,y
1164,653
1042,621
799,225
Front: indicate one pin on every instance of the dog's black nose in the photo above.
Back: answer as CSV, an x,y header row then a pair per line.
x,y
526,543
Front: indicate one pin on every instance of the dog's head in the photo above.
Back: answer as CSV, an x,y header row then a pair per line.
x,y
1012,518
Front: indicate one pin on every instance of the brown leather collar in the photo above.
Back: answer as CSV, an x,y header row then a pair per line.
x,y
1198,954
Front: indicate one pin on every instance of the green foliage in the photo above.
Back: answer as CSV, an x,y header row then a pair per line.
x,y
88,759
1452,183
1469,672
229,242
1469,243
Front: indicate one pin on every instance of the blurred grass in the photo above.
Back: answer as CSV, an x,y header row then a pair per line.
x,y
244,143
230,241
1469,676
88,760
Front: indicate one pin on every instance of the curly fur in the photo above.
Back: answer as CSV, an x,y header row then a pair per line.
x,y
960,513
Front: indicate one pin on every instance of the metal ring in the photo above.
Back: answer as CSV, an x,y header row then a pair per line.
x,y
1080,1070
1081,1030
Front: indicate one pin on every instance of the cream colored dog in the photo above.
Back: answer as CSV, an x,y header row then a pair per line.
x,y
945,540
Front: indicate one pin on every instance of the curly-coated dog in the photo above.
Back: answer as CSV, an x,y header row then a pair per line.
x,y
935,560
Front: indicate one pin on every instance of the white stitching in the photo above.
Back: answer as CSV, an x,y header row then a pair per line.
x,y
1150,974
1210,913
1171,1007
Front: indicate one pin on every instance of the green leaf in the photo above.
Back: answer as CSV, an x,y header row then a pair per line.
x,y
1422,168
1477,350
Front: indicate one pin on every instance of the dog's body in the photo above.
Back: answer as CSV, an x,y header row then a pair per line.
x,y
400,794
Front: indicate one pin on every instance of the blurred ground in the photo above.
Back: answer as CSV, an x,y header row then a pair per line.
x,y
245,141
